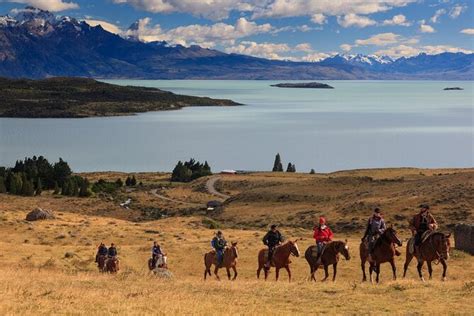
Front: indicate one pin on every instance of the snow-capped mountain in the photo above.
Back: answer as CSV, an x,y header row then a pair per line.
x,y
36,44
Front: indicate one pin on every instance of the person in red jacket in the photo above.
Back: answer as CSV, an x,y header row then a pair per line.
x,y
322,235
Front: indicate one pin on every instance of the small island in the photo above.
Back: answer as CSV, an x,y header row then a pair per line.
x,y
310,85
452,88
82,97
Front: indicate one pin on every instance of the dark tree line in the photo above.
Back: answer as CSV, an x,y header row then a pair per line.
x,y
33,175
190,170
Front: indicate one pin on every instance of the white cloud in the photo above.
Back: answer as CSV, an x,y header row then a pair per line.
x,y
50,5
265,50
319,18
204,35
468,31
399,19
425,28
437,15
109,27
314,57
212,9
382,39
456,11
346,47
408,51
304,47
291,8
352,19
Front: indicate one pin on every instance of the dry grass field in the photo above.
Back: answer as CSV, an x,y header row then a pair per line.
x,y
37,277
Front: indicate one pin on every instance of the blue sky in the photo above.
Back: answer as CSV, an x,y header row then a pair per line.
x,y
283,29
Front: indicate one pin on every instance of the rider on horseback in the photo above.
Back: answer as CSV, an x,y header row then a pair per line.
x,y
375,228
219,243
112,252
156,253
322,235
422,222
101,251
272,239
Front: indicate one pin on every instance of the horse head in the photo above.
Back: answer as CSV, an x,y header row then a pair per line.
x,y
233,247
294,250
392,236
445,246
344,249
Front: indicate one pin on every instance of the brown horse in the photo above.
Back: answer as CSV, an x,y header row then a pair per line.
x,y
280,259
101,263
435,247
330,256
229,261
112,265
384,251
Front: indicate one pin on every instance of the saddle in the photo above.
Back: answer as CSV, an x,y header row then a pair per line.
x,y
314,251
411,243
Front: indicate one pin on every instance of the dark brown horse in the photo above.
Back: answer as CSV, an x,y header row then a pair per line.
x,y
112,265
384,251
329,257
229,261
434,248
280,259
101,263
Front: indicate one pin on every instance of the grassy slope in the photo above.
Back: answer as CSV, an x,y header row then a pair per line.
x,y
79,97
35,276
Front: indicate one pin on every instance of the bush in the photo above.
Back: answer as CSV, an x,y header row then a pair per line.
x,y
103,186
210,223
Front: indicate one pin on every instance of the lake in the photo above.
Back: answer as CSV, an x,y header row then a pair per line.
x,y
359,124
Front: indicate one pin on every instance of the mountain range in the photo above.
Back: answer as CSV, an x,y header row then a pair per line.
x,y
37,44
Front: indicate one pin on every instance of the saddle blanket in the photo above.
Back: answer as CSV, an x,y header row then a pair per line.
x,y
424,237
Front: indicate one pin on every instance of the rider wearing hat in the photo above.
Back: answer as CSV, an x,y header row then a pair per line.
x,y
112,251
422,222
375,228
322,235
219,243
272,239
101,251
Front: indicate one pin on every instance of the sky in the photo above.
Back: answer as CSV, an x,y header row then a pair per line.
x,y
300,30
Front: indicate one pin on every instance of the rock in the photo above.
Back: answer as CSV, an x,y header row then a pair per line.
x,y
69,255
311,85
39,214
464,237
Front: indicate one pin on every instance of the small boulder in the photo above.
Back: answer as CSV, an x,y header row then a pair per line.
x,y
39,214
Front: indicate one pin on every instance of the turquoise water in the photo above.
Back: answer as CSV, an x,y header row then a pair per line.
x,y
359,124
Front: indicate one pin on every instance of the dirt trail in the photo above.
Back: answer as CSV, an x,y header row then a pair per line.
x,y
210,187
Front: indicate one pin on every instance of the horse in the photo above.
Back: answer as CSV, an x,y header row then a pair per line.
x,y
101,263
384,251
280,259
161,262
112,265
329,256
435,247
229,261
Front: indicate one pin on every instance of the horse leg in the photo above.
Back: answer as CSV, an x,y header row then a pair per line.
x,y
277,273
326,273
408,259
418,267
364,276
445,268
371,269
228,273
235,272
378,272
430,269
215,273
394,268
313,273
334,267
287,267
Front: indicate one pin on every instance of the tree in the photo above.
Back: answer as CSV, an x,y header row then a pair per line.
x,y
84,188
27,188
133,181
15,183
277,165
312,171
61,171
3,187
291,168
181,173
119,183
39,187
56,188
127,181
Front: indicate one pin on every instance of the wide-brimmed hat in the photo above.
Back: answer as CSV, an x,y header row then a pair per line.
x,y
273,226
424,206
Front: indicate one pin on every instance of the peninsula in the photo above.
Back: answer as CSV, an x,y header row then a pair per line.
x,y
81,97
310,85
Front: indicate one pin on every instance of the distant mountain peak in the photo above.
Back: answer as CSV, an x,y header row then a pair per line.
x,y
29,14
